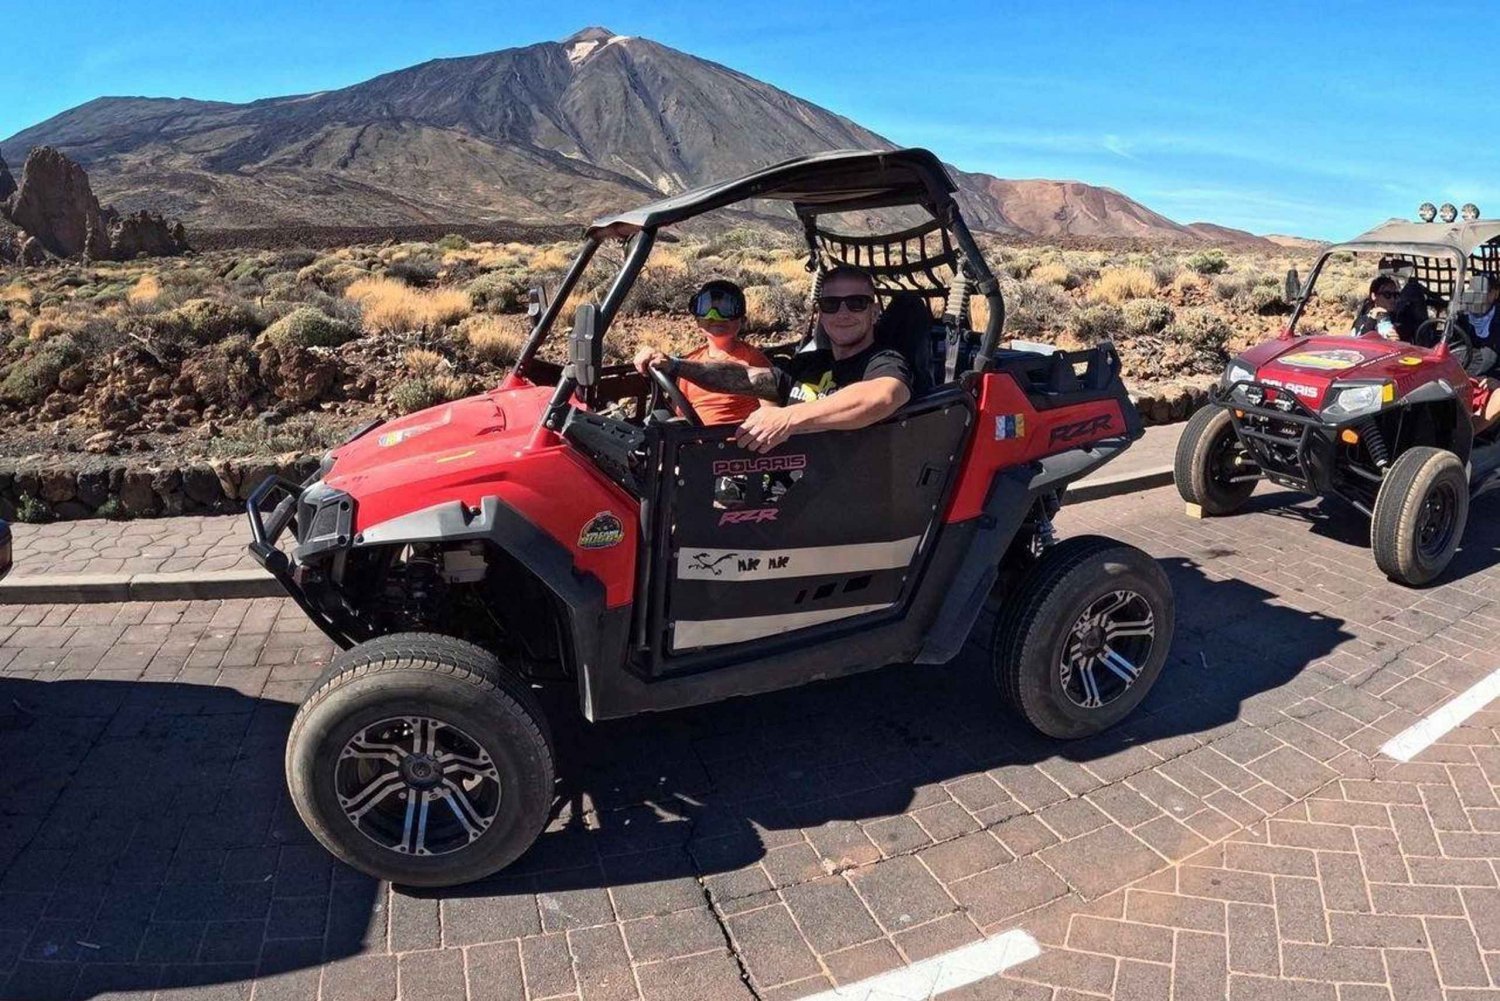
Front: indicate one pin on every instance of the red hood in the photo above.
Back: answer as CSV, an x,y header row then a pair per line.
x,y
479,432
1308,366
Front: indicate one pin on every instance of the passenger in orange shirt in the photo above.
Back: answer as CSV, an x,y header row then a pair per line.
x,y
719,307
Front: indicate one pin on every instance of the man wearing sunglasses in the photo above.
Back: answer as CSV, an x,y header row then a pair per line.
x,y
849,385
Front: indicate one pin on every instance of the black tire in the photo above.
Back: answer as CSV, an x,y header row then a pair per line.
x,y
379,686
1202,451
1420,514
1036,631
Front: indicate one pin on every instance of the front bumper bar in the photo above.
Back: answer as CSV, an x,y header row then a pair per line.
x,y
266,529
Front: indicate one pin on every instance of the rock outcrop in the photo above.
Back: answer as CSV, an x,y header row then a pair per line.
x,y
7,183
55,208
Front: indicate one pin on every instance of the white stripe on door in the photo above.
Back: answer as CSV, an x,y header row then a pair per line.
x,y
688,633
703,563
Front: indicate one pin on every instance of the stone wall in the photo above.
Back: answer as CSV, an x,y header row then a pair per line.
x,y
50,490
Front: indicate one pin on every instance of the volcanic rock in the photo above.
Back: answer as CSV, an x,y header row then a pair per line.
x,y
55,205
7,183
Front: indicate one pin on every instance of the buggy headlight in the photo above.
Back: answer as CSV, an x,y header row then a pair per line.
x,y
1359,399
1238,373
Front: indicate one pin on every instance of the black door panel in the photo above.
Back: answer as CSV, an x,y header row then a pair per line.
x,y
828,527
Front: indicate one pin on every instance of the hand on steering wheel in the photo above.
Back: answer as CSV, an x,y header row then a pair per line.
x,y
674,395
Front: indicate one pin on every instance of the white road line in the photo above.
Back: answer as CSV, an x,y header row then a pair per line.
x,y
1427,731
941,974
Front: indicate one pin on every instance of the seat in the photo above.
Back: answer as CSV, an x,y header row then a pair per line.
x,y
906,325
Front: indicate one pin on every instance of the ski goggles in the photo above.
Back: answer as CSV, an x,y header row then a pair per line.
x,y
718,304
856,303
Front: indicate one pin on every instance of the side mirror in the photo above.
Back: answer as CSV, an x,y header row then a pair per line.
x,y
585,346
1292,292
536,301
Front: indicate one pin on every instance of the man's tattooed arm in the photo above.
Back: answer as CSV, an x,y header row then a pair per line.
x,y
729,377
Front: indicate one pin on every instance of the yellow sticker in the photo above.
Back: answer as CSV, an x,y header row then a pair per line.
x,y
456,455
1411,361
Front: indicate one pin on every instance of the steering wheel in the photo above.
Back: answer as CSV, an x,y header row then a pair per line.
x,y
674,395
1460,341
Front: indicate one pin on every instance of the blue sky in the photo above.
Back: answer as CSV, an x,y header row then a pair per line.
x,y
1316,119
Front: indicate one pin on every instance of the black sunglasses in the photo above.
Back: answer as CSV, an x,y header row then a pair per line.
x,y
856,303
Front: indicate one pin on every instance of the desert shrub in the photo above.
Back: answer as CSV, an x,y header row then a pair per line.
x,y
185,278
31,378
413,395
1189,283
1121,284
145,291
16,292
1146,316
392,307
494,339
1055,273
224,374
250,269
770,307
453,241
295,259
1032,309
1227,287
1265,300
1200,328
1208,262
281,285
422,362
664,286
1165,270
1018,264
499,291
110,509
451,387
418,274
32,510
1102,321
203,321
308,327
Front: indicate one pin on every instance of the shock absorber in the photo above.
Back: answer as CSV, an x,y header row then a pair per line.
x,y
960,289
1369,433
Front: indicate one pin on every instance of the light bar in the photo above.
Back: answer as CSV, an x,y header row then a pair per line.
x,y
1470,212
1447,212
1427,212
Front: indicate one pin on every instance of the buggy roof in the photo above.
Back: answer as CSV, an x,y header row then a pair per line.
x,y
838,181
1398,236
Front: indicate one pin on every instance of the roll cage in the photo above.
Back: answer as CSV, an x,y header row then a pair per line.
x,y
1442,257
936,260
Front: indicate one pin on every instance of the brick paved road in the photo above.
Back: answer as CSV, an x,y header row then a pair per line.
x,y
151,545
1241,837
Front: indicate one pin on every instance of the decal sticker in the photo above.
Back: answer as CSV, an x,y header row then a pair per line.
x,y
455,456
397,437
602,531
1010,426
706,563
767,464
1327,361
709,562
1408,360
1296,387
1072,432
752,515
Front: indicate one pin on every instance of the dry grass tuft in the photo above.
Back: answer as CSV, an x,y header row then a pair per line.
x,y
495,339
451,387
145,291
391,306
422,362
16,293
1117,285
1054,273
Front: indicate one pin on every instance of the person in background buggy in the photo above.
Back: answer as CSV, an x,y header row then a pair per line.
x,y
1483,326
1394,310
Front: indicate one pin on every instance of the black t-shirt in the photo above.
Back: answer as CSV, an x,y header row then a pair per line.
x,y
812,375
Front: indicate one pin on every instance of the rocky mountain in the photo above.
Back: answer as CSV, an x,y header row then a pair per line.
x,y
553,130
1229,236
